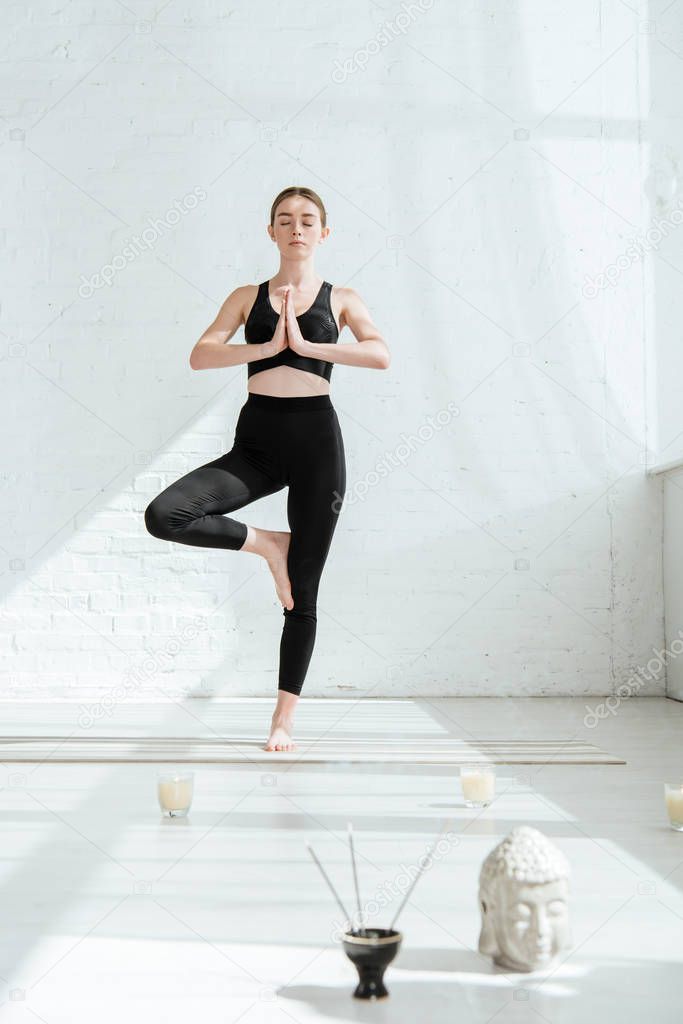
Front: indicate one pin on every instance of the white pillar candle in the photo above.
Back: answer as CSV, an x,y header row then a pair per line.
x,y
673,794
175,792
478,784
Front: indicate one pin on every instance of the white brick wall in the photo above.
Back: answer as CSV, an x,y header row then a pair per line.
x,y
477,164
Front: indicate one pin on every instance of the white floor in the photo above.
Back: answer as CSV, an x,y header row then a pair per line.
x,y
111,912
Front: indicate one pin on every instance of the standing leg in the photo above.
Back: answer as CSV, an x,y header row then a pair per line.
x,y
317,483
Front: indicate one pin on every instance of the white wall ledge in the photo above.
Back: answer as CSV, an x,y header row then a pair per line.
x,y
664,467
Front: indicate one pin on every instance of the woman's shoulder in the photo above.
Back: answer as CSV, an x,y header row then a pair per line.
x,y
343,294
244,298
343,300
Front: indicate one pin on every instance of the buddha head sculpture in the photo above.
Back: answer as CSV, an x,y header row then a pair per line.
x,y
523,897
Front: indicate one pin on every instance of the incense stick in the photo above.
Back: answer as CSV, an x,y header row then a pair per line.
x,y
325,876
355,879
417,876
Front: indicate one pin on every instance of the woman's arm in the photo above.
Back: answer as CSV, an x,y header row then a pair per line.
x,y
372,352
213,351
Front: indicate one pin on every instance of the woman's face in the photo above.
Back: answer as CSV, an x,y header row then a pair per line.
x,y
297,220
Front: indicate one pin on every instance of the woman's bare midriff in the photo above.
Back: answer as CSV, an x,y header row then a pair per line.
x,y
287,382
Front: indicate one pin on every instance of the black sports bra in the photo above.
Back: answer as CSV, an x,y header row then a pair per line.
x,y
317,324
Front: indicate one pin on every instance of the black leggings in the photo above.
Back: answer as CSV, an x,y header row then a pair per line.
x,y
279,442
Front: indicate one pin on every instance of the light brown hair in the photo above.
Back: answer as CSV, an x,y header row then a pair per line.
x,y
299,190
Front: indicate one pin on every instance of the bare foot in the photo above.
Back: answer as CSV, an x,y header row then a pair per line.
x,y
280,735
273,545
277,563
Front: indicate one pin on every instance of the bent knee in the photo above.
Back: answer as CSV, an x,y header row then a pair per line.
x,y
157,521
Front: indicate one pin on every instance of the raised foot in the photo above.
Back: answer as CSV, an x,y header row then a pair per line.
x,y
280,738
277,563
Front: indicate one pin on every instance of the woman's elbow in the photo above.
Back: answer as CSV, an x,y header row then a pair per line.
x,y
384,361
196,361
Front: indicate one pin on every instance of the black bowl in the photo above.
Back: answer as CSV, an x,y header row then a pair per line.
x,y
371,951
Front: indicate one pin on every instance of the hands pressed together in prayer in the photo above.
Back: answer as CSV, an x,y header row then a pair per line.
x,y
287,333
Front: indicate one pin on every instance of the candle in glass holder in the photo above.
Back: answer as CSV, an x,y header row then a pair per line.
x,y
478,783
174,790
673,795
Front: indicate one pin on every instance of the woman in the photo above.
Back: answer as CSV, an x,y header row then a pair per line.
x,y
287,432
